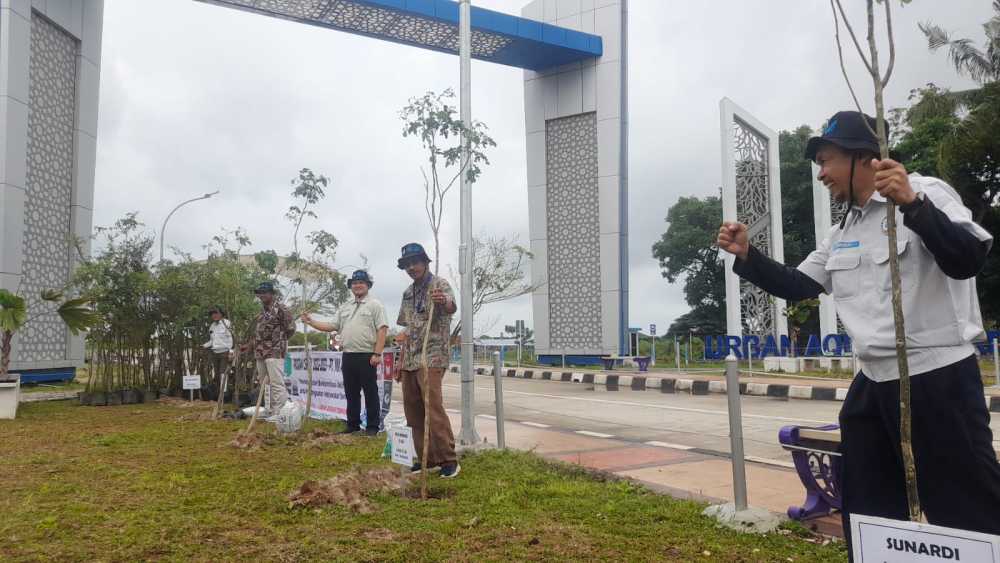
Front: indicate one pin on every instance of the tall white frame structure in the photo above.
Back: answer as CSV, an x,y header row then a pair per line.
x,y
751,194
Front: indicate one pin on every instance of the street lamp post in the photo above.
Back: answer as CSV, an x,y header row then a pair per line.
x,y
468,435
171,214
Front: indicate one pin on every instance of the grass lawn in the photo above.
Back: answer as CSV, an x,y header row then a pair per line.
x,y
145,482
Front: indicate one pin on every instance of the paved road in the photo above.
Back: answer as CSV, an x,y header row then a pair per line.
x,y
646,416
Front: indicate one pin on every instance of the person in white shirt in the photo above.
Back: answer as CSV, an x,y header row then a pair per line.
x,y
940,250
220,341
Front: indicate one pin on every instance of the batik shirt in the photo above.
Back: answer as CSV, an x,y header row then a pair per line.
x,y
274,326
413,315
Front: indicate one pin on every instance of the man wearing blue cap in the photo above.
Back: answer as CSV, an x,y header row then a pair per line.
x,y
362,322
940,249
427,292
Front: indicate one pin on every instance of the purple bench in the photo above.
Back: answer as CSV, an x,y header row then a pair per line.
x,y
816,454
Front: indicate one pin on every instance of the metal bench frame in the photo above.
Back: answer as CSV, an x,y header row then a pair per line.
x,y
816,454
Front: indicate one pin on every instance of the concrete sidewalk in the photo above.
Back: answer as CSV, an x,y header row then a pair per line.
x,y
679,471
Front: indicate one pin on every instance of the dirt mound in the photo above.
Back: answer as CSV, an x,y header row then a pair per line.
x,y
350,489
250,442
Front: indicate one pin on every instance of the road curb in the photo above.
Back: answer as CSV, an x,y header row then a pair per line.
x,y
616,382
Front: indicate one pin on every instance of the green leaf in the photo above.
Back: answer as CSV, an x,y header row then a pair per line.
x,y
13,311
78,315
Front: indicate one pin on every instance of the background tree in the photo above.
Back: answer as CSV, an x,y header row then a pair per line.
x,y
432,119
981,65
498,273
687,249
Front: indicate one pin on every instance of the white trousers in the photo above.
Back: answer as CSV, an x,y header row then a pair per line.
x,y
269,372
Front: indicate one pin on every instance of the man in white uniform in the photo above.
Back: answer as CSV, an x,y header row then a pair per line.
x,y
940,252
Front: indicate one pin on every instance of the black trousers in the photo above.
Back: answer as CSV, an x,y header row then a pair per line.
x,y
360,375
958,478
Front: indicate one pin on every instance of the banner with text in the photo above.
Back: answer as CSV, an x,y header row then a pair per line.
x,y
329,401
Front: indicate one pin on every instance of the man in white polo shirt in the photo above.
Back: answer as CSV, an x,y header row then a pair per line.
x,y
362,324
940,249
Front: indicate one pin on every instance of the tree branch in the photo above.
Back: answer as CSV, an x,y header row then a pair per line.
x,y
892,43
843,67
854,38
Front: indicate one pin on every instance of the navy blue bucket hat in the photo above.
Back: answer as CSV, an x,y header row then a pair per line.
x,y
412,251
360,275
847,130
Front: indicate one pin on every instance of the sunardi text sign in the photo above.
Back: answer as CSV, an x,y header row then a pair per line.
x,y
880,540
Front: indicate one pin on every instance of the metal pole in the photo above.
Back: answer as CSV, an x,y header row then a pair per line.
x,y
498,399
468,435
677,354
171,214
996,361
687,359
736,433
652,350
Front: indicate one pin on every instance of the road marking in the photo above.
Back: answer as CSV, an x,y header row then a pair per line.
x,y
489,416
654,406
594,434
453,411
535,424
669,445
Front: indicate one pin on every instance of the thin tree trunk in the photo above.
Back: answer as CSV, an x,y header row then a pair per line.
x,y
5,353
905,430
425,370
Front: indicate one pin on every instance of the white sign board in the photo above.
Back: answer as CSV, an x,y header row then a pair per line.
x,y
402,445
652,330
880,540
192,382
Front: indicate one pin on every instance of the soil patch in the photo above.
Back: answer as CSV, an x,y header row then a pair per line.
x,y
350,489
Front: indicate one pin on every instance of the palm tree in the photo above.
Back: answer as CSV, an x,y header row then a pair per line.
x,y
14,315
981,66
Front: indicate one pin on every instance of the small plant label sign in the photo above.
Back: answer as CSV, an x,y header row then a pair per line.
x,y
880,540
401,439
192,382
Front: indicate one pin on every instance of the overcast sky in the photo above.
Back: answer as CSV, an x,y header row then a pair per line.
x,y
195,98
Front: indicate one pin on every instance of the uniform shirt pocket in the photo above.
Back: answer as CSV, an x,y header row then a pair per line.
x,y
844,274
883,277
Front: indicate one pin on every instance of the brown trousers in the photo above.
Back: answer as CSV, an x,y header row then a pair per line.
x,y
441,449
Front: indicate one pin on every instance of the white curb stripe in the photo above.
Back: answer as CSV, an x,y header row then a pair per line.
x,y
841,394
716,386
756,388
683,385
800,391
600,379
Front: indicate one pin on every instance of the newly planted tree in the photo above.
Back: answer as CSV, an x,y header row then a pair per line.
x,y
437,124
879,83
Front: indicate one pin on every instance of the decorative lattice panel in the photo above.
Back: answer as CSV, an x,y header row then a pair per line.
x,y
574,239
357,17
753,208
51,118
